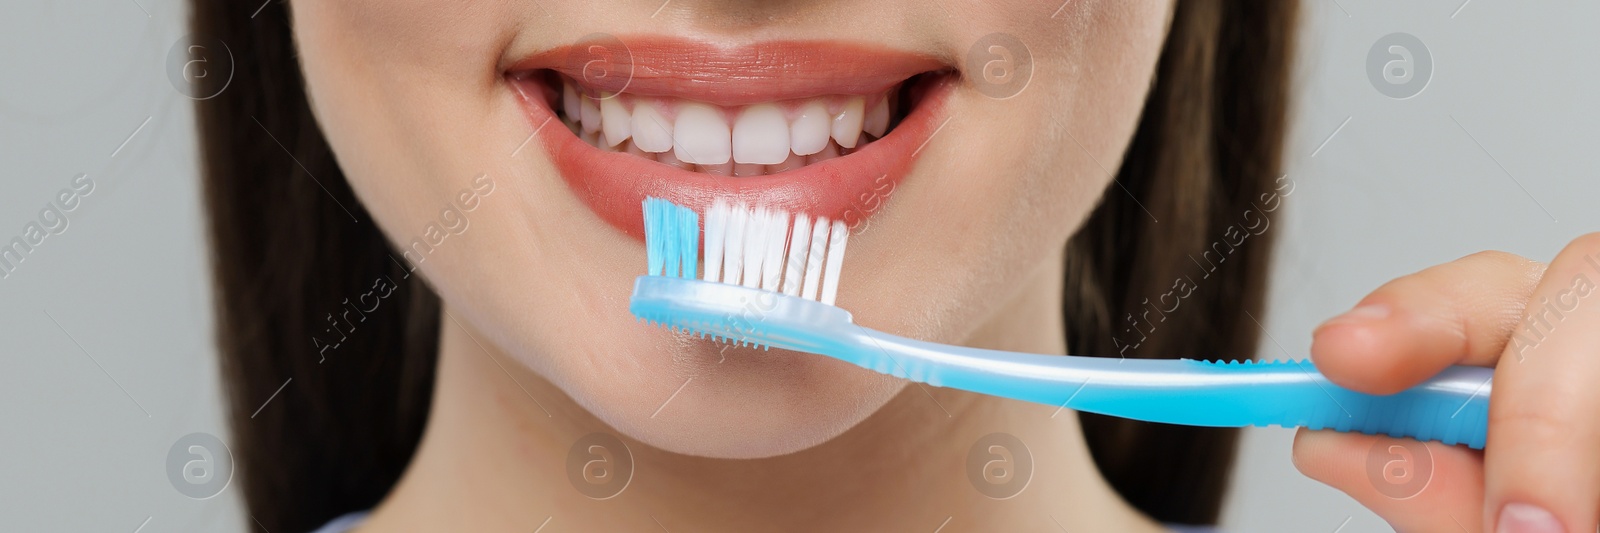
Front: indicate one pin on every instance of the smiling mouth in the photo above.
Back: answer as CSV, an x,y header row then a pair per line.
x,y
828,129
752,140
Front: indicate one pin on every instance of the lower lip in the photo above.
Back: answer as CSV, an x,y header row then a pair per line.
x,y
849,188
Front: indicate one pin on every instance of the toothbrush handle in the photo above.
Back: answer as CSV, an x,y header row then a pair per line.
x,y
1452,407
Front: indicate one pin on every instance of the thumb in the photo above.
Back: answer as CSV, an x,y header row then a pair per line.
x,y
1415,486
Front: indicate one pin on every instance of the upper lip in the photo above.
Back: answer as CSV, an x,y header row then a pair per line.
x,y
729,75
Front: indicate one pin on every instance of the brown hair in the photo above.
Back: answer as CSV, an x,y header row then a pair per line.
x,y
338,431
1177,265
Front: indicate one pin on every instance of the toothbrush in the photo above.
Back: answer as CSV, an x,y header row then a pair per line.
x,y
770,280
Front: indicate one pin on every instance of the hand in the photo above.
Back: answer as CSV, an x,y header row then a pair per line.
x,y
1540,329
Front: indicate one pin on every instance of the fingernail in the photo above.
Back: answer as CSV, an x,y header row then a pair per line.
x,y
1524,518
1360,314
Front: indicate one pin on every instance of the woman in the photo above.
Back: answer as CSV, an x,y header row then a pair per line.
x,y
425,221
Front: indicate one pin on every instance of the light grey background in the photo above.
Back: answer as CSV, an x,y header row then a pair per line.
x,y
107,360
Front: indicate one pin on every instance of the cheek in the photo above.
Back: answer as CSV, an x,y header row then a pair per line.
x,y
415,113
1009,180
1091,93
395,85
409,109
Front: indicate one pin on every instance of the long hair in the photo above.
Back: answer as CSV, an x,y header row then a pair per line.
x,y
1177,264
339,430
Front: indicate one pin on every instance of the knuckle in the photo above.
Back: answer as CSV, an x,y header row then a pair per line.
x,y
1429,285
1587,241
1535,427
1493,263
1496,258
1585,244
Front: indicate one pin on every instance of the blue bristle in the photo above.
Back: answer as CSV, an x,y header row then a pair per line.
x,y
671,234
689,242
653,245
672,238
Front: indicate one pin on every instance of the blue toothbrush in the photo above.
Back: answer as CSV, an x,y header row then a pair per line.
x,y
764,288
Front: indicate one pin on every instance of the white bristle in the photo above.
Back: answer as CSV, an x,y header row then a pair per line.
x,y
754,233
733,251
830,277
819,247
795,266
777,235
767,248
716,222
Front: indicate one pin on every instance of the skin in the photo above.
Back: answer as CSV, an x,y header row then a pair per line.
x,y
1540,471
537,349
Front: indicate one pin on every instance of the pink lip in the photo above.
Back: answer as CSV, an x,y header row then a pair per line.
x,y
614,184
729,76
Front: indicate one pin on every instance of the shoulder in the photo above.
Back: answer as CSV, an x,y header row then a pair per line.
x,y
344,523
1180,528
350,521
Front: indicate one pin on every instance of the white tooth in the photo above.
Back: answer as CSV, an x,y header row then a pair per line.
x,y
634,149
614,120
651,131
847,124
761,135
590,114
861,142
793,162
877,121
749,169
808,134
829,152
668,158
569,101
700,135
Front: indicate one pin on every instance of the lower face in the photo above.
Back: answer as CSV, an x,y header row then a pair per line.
x,y
504,149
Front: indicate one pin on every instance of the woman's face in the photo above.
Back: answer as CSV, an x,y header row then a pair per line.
x,y
504,148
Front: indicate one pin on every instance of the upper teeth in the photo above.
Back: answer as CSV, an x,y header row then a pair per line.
x,y
779,134
761,135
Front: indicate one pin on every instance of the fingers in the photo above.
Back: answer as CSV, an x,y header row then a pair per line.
x,y
1415,486
1411,328
1543,452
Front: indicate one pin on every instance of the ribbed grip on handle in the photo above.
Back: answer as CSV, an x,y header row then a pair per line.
x,y
1452,407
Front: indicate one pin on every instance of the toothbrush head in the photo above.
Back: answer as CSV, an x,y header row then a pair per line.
x,y
770,279
757,247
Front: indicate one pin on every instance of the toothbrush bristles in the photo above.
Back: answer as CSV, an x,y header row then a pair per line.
x,y
755,246
671,238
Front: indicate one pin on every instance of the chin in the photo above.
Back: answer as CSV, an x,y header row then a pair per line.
x,y
739,403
